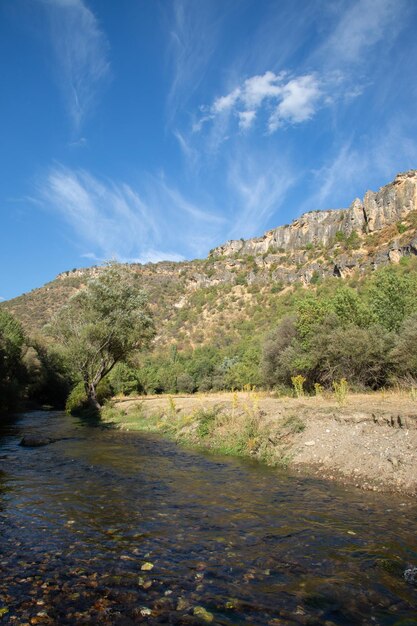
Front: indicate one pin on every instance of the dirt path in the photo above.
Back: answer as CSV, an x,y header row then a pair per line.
x,y
370,441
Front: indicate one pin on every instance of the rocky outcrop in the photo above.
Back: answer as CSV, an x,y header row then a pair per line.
x,y
389,205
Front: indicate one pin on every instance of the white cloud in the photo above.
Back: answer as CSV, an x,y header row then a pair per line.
x,y
193,29
298,102
224,103
81,51
111,217
258,88
294,100
116,220
91,255
246,118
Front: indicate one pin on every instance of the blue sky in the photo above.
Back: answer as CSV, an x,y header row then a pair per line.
x,y
158,129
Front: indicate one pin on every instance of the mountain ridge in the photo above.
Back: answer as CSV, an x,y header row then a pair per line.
x,y
246,278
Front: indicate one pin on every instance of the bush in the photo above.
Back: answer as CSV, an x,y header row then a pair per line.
x,y
77,401
340,390
360,355
124,380
404,352
206,384
185,383
298,384
206,419
274,366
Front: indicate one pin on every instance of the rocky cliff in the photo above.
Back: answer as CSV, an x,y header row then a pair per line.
x,y
243,281
390,205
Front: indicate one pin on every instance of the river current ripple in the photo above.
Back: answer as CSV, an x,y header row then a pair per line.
x,y
106,527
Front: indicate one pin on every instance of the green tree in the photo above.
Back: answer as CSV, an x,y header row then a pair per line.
x,y
11,369
49,381
103,324
350,308
392,296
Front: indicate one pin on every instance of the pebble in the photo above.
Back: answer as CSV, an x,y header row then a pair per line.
x,y
203,614
146,567
144,610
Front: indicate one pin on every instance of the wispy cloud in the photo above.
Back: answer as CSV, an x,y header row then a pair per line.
x,y
281,97
193,34
116,220
360,26
81,51
258,185
362,165
110,217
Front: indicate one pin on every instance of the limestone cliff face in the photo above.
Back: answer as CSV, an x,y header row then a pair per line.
x,y
389,205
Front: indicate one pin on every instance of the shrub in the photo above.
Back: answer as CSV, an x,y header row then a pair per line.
x,y
206,384
77,401
340,390
274,366
298,383
318,389
206,419
185,383
124,380
361,355
404,352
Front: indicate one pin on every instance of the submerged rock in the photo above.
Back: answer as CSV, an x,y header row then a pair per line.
x,y
410,575
203,614
34,441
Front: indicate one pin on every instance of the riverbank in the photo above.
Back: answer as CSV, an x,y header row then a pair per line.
x,y
370,440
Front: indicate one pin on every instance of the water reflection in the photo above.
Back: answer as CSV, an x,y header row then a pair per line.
x,y
83,516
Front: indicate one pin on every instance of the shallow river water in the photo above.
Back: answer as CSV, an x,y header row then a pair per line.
x,y
106,527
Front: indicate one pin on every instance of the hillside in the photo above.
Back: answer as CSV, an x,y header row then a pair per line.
x,y
244,285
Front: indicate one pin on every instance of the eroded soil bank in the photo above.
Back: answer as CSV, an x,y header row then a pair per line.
x,y
370,441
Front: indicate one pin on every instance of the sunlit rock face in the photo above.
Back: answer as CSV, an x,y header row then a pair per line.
x,y
389,205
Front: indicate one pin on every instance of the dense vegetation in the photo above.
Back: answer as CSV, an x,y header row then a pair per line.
x,y
363,329
30,372
11,369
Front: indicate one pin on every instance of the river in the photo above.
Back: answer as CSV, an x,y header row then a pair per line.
x,y
109,527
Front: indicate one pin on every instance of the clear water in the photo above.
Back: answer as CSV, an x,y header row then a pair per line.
x,y
80,517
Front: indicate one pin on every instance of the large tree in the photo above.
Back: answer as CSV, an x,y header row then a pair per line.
x,y
103,324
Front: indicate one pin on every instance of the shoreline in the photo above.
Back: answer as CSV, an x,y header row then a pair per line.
x,y
369,441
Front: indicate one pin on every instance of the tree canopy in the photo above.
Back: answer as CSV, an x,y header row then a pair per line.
x,y
103,324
